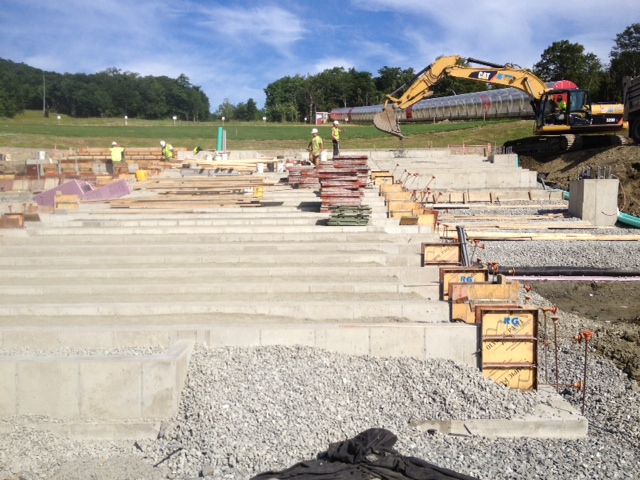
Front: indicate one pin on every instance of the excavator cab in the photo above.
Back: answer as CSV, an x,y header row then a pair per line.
x,y
563,110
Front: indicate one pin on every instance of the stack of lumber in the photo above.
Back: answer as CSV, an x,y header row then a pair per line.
x,y
196,192
342,181
349,215
241,166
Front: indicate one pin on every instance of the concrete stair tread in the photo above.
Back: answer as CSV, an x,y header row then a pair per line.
x,y
330,309
212,295
60,273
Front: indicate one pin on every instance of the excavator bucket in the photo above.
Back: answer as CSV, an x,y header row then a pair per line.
x,y
386,121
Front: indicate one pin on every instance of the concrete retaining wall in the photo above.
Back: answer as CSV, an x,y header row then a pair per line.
x,y
116,388
94,387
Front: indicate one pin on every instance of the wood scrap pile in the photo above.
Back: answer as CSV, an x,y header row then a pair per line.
x,y
197,192
241,166
342,181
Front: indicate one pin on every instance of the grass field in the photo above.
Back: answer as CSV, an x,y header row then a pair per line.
x,y
32,130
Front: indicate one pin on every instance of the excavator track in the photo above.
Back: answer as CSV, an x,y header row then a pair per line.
x,y
387,122
558,144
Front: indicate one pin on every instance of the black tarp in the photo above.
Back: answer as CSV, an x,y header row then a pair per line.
x,y
368,455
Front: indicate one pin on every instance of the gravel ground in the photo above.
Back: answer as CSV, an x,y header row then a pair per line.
x,y
246,411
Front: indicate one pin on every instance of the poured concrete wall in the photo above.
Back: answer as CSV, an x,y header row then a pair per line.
x,y
594,200
94,387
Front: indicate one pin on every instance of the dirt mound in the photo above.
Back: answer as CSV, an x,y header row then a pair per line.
x,y
623,162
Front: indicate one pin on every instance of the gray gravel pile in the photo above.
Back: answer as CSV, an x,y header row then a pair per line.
x,y
245,411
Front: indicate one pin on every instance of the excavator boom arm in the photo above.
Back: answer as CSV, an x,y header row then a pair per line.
x,y
444,67
448,67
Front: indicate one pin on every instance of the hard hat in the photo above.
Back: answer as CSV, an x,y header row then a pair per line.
x,y
162,143
315,130
113,144
336,122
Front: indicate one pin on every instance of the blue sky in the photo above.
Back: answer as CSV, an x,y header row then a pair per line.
x,y
234,49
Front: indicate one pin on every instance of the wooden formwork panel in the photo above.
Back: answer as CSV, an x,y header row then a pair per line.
x,y
381,178
460,274
399,213
518,378
398,196
391,187
419,218
12,220
509,344
441,254
395,205
464,297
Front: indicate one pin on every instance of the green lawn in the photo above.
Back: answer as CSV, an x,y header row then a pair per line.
x,y
32,130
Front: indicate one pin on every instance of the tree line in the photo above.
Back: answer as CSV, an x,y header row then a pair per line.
x,y
111,93
114,93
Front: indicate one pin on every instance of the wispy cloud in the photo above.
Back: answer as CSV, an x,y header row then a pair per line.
x,y
234,49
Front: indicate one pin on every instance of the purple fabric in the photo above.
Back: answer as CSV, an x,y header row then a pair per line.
x,y
116,189
72,187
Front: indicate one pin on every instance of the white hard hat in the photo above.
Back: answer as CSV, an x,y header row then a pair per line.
x,y
315,130
336,122
162,143
113,144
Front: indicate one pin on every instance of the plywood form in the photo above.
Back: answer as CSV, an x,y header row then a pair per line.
x,y
509,344
465,296
460,274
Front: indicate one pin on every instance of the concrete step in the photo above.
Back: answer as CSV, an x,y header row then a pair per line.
x,y
206,258
184,236
140,247
203,293
295,231
32,291
406,275
419,310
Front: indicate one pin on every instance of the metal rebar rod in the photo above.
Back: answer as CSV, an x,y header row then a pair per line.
x,y
555,341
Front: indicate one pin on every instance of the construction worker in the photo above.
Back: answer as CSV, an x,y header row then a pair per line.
x,y
117,156
561,107
315,147
335,138
167,150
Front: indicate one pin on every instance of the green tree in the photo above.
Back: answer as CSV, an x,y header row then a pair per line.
x,y
625,60
568,61
227,110
286,98
247,111
389,79
10,103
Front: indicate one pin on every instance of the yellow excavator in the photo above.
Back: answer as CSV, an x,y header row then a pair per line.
x,y
562,115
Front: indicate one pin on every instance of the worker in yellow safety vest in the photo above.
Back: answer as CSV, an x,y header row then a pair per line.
x,y
117,156
167,150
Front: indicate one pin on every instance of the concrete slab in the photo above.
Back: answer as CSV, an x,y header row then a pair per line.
x,y
554,418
